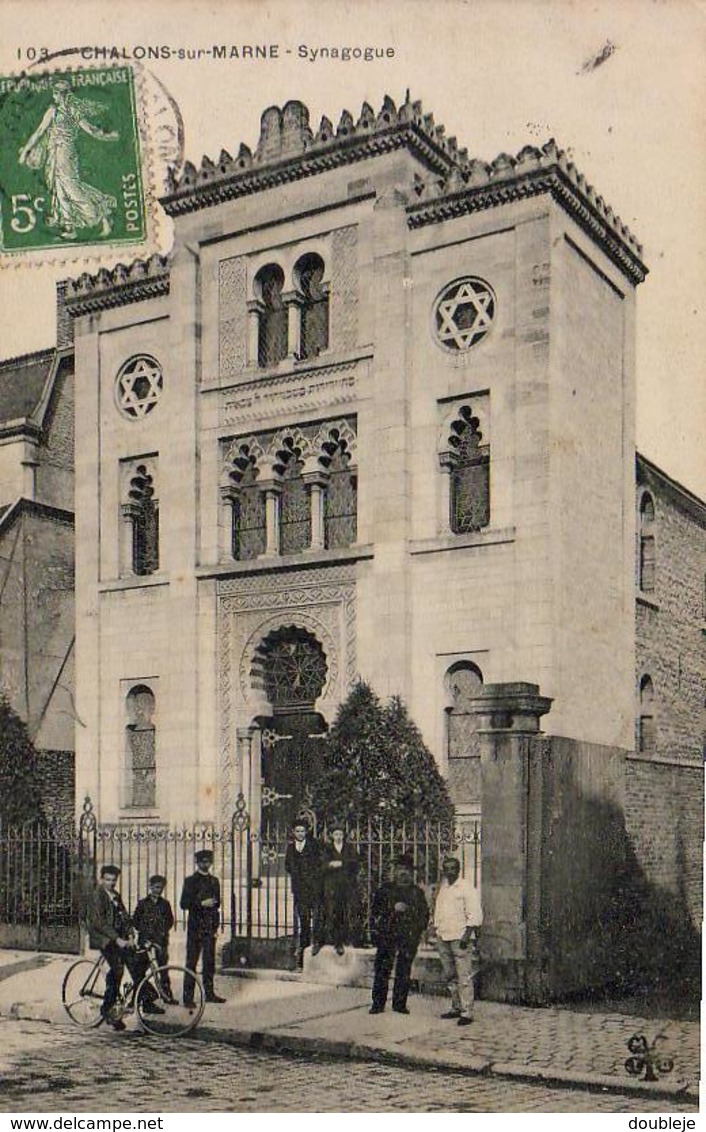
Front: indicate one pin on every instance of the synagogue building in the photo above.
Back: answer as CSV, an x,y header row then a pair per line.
x,y
375,416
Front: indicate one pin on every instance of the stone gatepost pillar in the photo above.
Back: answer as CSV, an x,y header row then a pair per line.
x,y
509,716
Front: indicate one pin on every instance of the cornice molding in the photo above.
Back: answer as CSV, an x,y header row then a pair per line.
x,y
215,184
143,279
506,182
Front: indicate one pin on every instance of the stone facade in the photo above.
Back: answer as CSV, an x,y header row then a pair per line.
x,y
478,347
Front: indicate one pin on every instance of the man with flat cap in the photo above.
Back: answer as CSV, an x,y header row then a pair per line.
x,y
399,915
201,898
111,929
153,920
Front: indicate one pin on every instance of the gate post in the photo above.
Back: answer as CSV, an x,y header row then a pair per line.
x,y
511,816
86,864
238,950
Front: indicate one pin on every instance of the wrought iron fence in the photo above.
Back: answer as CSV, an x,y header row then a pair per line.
x,y
262,904
47,871
37,885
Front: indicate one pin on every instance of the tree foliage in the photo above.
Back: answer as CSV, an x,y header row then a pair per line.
x,y
376,765
19,781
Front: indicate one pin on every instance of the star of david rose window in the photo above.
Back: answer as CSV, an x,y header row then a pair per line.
x,y
464,313
138,386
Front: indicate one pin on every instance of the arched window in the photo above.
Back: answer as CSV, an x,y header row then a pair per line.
x,y
462,683
341,490
141,748
272,335
295,507
142,511
314,306
468,460
647,563
646,728
247,507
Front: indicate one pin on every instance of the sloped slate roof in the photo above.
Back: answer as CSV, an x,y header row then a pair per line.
x,y
22,382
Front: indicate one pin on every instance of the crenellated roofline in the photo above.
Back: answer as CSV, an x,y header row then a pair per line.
x,y
288,150
142,279
533,172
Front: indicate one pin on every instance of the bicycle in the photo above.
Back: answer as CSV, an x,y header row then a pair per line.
x,y
83,989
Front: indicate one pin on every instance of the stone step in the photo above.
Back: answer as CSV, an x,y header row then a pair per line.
x,y
355,968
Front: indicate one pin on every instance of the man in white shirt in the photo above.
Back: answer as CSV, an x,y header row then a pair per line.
x,y
457,917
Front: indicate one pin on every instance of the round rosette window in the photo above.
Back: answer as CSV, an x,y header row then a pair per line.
x,y
138,386
464,313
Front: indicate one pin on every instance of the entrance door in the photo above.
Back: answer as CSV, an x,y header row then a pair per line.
x,y
292,752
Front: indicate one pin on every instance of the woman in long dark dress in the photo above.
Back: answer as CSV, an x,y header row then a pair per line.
x,y
340,875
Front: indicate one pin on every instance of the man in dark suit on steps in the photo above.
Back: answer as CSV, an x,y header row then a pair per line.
x,y
303,863
201,898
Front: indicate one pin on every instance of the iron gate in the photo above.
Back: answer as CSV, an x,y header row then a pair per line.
x,y
48,871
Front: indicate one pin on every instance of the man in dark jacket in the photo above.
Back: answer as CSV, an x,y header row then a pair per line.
x,y
110,929
153,920
303,863
399,916
339,873
201,898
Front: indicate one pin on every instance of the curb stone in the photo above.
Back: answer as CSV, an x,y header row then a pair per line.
x,y
433,1061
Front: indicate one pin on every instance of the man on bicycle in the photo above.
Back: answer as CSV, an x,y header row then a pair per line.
x,y
110,929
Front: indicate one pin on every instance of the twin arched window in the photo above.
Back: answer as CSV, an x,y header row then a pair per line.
x,y
292,322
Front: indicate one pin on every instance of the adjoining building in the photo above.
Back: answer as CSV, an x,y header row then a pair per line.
x,y
376,415
37,630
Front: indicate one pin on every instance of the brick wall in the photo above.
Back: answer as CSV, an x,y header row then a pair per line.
x,y
664,817
621,860
671,641
57,785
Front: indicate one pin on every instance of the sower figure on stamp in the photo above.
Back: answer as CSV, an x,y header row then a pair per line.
x,y
110,929
399,916
455,923
153,920
53,148
201,898
303,863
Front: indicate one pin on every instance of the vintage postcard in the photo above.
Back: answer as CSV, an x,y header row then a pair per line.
x,y
352,558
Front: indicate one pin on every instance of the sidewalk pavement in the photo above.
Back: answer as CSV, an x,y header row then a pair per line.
x,y
549,1044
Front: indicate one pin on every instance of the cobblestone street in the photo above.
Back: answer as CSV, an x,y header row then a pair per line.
x,y
58,1069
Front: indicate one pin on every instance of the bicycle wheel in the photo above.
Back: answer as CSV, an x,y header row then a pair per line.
x,y
163,989
82,992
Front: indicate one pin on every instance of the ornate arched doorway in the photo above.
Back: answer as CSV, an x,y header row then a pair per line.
x,y
291,667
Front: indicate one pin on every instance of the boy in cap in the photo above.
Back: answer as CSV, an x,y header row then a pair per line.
x,y
201,898
399,916
110,929
153,920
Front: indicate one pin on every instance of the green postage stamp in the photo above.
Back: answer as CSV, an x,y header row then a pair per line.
x,y
70,163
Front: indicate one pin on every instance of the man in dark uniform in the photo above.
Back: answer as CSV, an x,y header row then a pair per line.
x,y
201,898
303,862
399,916
153,920
110,929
